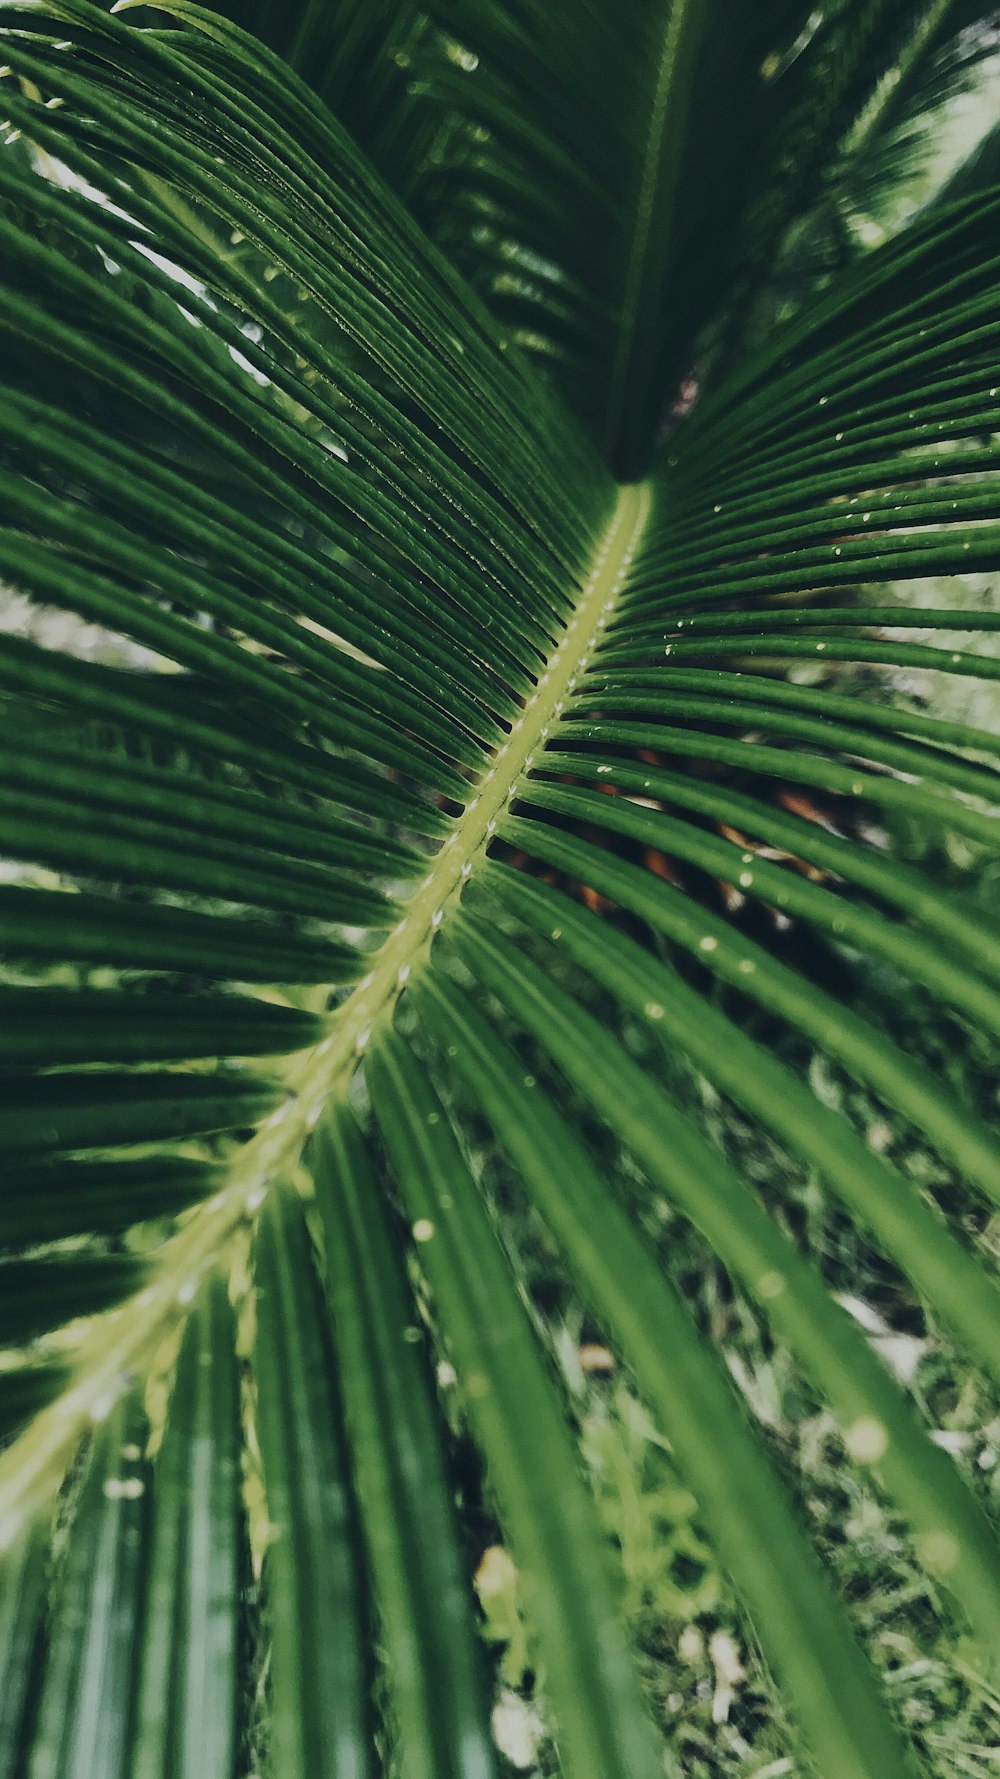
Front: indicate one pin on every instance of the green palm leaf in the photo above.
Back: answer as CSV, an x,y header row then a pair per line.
x,y
277,948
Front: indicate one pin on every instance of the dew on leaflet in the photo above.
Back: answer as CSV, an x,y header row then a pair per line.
x,y
939,1551
708,943
866,1440
653,1010
423,1229
124,1488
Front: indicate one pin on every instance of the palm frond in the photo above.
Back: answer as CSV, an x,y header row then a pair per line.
x,y
185,1703
320,1716
437,1710
411,631
82,1709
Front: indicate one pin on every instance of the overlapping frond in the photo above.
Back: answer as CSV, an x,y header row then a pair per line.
x,y
949,51
919,136
588,147
322,891
587,151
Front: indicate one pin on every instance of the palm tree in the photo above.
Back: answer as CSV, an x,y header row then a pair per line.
x,y
469,414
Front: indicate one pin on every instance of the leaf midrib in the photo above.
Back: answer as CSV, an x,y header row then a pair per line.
x,y
655,198
123,1340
